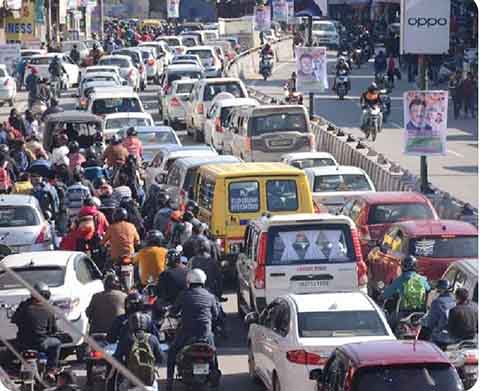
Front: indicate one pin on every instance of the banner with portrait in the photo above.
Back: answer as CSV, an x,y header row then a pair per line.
x,y
425,121
263,18
173,8
280,10
291,12
311,65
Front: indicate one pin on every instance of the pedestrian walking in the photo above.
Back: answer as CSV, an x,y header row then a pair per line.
x,y
455,90
468,91
392,69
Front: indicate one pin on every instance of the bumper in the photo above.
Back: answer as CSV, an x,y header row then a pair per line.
x,y
260,156
176,115
296,377
47,246
6,94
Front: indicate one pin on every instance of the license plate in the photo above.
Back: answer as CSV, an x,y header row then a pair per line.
x,y
126,268
310,285
201,369
471,369
28,367
280,143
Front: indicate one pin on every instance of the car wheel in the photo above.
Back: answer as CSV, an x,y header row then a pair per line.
x,y
276,383
251,366
11,102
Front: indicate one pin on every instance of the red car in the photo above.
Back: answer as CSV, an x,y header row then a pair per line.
x,y
375,212
435,244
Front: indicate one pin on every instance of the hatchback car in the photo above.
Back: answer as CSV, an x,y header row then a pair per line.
x,y
128,71
8,86
375,212
73,279
114,122
22,224
435,243
210,59
136,56
297,333
175,105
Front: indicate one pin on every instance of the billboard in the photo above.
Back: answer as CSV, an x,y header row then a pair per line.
x,y
173,8
425,122
280,10
310,7
311,67
10,55
263,18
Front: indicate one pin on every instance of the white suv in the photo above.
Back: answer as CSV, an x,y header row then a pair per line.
x,y
324,33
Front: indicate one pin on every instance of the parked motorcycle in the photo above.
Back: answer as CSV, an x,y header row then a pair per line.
x,y
373,124
342,84
266,66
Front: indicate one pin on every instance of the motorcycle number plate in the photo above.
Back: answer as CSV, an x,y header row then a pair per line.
x,y
126,268
471,369
28,367
201,369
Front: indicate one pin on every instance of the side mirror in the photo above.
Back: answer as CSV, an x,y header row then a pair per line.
x,y
316,374
48,215
250,318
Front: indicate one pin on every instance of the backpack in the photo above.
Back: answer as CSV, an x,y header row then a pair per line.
x,y
5,179
141,360
74,196
413,294
44,198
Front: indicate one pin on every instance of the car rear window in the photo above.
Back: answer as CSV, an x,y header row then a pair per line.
x,y
116,105
157,138
417,376
98,78
333,324
282,195
317,162
279,122
18,216
41,60
188,41
316,243
2,73
184,88
133,55
53,276
120,62
119,123
172,41
172,76
391,213
345,182
445,247
244,197
234,88
203,54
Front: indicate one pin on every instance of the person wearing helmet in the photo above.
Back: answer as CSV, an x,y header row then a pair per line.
x,y
115,154
75,157
165,209
151,259
463,318
133,303
56,71
200,311
174,279
76,193
368,99
437,320
341,67
46,194
191,246
380,63
122,237
52,109
204,261
36,326
75,54
133,144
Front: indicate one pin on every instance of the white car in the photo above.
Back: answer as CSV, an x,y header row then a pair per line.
x,y
137,59
73,279
8,86
332,185
304,160
153,66
324,33
217,119
83,49
102,69
210,60
114,122
177,102
191,58
128,71
90,79
163,54
42,62
297,333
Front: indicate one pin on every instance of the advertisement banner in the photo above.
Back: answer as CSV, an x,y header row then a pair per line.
x,y
425,26
21,29
10,55
311,69
39,11
173,8
425,121
310,7
263,18
291,12
280,10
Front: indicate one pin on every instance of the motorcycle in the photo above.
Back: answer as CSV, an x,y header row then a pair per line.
x,y
342,84
95,363
292,97
266,66
382,81
127,274
409,327
464,357
357,57
373,124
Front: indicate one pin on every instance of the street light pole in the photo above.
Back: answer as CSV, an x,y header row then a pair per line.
x,y
311,95
422,70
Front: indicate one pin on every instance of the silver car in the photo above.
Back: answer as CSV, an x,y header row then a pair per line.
x,y
178,102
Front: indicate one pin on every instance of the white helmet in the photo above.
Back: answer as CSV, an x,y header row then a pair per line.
x,y
196,276
97,202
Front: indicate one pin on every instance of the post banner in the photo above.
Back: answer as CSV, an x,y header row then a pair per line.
x,y
280,10
10,56
310,7
263,18
311,69
173,8
291,12
21,29
40,11
425,119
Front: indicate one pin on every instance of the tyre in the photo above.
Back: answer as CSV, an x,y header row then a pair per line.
x,y
374,133
265,76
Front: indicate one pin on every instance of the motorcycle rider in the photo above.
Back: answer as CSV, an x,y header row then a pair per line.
x,y
340,67
133,144
190,247
133,303
56,71
46,194
173,280
36,326
151,259
463,318
95,54
115,154
75,54
266,50
369,99
199,310
204,261
380,64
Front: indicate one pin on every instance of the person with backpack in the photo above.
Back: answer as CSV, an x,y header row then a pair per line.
x,y
412,290
46,195
91,208
76,195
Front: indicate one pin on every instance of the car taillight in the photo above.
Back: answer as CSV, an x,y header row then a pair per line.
x,y
361,266
130,74
221,243
259,281
200,108
174,102
7,82
311,142
305,358
43,236
96,355
151,62
471,358
248,144
218,126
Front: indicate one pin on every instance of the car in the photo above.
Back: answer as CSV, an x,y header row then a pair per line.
x,y
94,86
116,121
153,138
102,69
152,66
202,97
170,40
162,54
136,56
73,279
217,119
235,42
304,160
27,53
105,101
210,60
435,243
127,70
82,48
23,227
187,57
189,39
42,61
387,365
173,110
333,185
324,33
297,333
375,212
177,50
8,87
298,253
90,79
226,47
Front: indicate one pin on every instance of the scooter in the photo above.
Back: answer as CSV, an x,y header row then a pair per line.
x,y
373,124
266,66
342,84
292,97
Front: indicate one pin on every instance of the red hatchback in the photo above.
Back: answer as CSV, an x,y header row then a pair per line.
x,y
375,212
435,244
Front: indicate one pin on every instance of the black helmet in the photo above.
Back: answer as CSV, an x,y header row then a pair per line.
x,y
409,263
372,87
115,139
120,214
188,216
73,147
131,131
443,285
89,202
111,281
4,150
42,289
193,207
133,302
204,246
139,321
155,238
163,199
173,257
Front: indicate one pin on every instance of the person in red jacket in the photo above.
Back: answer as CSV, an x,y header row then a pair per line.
x,y
90,208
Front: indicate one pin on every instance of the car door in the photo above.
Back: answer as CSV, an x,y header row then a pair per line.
x,y
245,265
239,131
89,279
210,124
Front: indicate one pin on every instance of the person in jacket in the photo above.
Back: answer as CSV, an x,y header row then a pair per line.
x,y
115,154
31,84
75,157
469,86
380,63
90,208
455,91
75,54
76,195
173,280
369,98
133,144
46,194
16,121
204,261
151,259
191,246
463,318
31,126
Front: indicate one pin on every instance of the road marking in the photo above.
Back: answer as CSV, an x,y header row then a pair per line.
x,y
454,153
395,124
275,69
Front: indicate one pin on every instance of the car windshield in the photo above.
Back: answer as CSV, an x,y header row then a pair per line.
x,y
18,216
212,90
282,195
189,41
184,88
418,377
203,54
323,27
157,138
345,182
445,247
53,276
313,162
116,105
392,213
118,123
120,62
279,122
316,243
3,73
98,78
333,324
172,76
